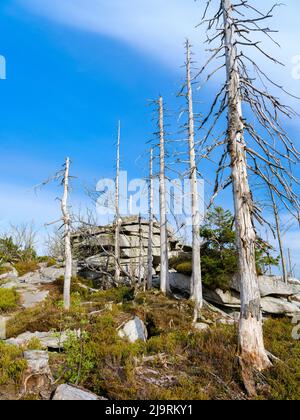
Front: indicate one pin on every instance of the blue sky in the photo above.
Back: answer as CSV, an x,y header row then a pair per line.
x,y
74,67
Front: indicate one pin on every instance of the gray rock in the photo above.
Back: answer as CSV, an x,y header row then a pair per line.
x,y
200,326
180,282
134,330
227,299
44,275
11,274
48,340
296,298
37,361
271,286
32,297
71,393
274,306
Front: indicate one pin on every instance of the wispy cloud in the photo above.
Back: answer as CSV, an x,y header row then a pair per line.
x,y
158,28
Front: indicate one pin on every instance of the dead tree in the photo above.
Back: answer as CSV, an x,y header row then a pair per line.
x,y
151,220
164,263
196,286
285,275
247,151
117,209
67,237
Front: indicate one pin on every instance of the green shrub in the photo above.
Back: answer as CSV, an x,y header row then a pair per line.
x,y
9,299
24,267
12,365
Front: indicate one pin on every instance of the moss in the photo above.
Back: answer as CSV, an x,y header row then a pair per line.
x,y
9,299
24,267
34,344
12,364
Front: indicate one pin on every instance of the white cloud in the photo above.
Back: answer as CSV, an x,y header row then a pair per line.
x,y
158,28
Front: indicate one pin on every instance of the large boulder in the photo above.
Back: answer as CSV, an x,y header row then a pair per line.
x,y
180,283
67,392
228,299
44,275
275,306
271,286
134,330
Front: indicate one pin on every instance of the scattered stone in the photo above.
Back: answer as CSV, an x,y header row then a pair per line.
x,y
72,393
38,377
48,340
200,326
134,330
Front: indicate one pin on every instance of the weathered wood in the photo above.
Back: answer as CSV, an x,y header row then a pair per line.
x,y
150,233
117,210
196,284
67,238
164,274
252,351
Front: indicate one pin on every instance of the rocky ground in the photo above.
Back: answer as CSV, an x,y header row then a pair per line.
x,y
126,344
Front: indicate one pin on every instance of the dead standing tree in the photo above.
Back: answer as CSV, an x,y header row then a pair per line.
x,y
247,151
117,209
164,261
196,286
151,220
67,237
63,176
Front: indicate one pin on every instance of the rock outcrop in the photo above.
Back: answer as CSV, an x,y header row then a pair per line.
x,y
95,250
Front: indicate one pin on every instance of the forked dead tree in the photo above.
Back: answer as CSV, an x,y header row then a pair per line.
x,y
246,99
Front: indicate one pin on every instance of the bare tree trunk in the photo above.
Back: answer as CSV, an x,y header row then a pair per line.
x,y
117,209
140,278
196,285
67,238
150,233
280,244
164,263
253,354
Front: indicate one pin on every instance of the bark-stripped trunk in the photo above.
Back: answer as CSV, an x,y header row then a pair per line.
x,y
150,232
280,244
253,354
196,285
164,263
117,209
140,277
67,238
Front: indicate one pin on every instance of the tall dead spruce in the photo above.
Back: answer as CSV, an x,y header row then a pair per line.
x,y
196,285
151,220
164,262
67,237
247,150
118,220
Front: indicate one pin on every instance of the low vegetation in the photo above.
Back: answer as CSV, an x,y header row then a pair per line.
x,y
9,300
